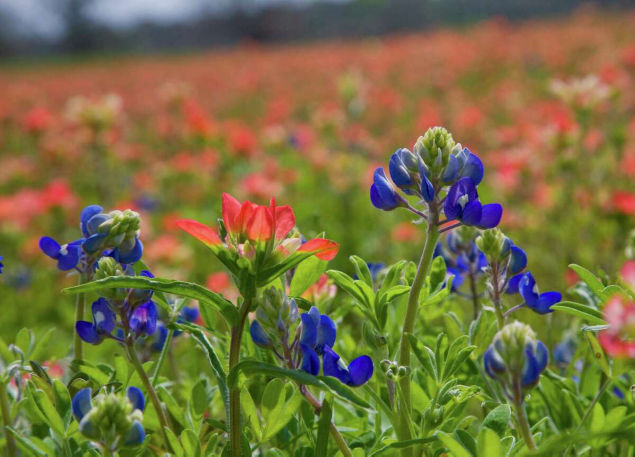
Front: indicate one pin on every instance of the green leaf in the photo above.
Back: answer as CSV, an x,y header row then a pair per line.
x,y
306,274
191,444
181,288
361,268
598,353
45,405
249,367
24,340
597,418
345,282
279,404
498,419
489,444
438,272
42,344
425,355
62,402
403,445
343,391
173,407
589,278
453,446
324,424
27,444
174,443
250,413
585,312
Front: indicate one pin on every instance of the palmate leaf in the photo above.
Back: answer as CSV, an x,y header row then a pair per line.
x,y
181,288
251,367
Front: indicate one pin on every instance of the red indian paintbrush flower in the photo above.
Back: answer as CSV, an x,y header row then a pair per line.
x,y
258,239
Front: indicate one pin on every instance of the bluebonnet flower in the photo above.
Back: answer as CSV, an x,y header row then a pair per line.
x,y
383,194
462,203
67,255
1,265
318,337
111,419
540,303
314,338
114,234
136,311
102,325
461,255
437,165
516,359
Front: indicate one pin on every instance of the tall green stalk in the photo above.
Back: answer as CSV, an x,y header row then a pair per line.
x,y
234,393
423,269
523,425
136,363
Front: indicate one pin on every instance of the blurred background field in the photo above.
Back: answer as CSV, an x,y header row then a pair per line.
x,y
547,103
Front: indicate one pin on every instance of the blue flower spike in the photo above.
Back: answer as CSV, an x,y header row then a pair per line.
x,y
540,303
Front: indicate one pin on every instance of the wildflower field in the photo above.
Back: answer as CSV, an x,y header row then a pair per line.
x,y
306,250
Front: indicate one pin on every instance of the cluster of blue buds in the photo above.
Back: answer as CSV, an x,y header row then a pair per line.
x,y
443,175
132,310
461,255
112,420
273,329
516,359
114,234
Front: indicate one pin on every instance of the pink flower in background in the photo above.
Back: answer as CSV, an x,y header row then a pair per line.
x,y
619,339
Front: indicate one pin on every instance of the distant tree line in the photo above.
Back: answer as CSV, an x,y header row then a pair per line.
x,y
274,24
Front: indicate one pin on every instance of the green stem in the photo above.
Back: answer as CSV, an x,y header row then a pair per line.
x,y
234,392
335,433
164,351
474,293
80,300
523,425
12,450
423,268
163,419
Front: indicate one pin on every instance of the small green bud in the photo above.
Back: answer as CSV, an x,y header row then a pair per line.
x,y
494,244
106,267
434,148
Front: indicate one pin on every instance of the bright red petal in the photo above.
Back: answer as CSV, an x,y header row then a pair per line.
x,y
260,225
231,208
199,231
285,221
322,248
246,211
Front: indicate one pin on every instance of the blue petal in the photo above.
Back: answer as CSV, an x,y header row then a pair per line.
x,y
81,403
528,290
310,360
326,332
426,189
531,373
50,247
388,197
136,397
92,225
95,242
87,213
161,336
69,259
361,370
472,213
464,186
135,436
517,260
546,301
132,255
103,316
542,355
146,274
514,283
309,330
144,319
258,334
473,168
451,171
491,217
398,171
332,367
189,313
459,278
492,362
87,332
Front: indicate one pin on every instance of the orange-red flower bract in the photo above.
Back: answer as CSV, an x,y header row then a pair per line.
x,y
261,234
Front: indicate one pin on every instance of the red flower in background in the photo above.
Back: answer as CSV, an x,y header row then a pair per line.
x,y
619,339
624,202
